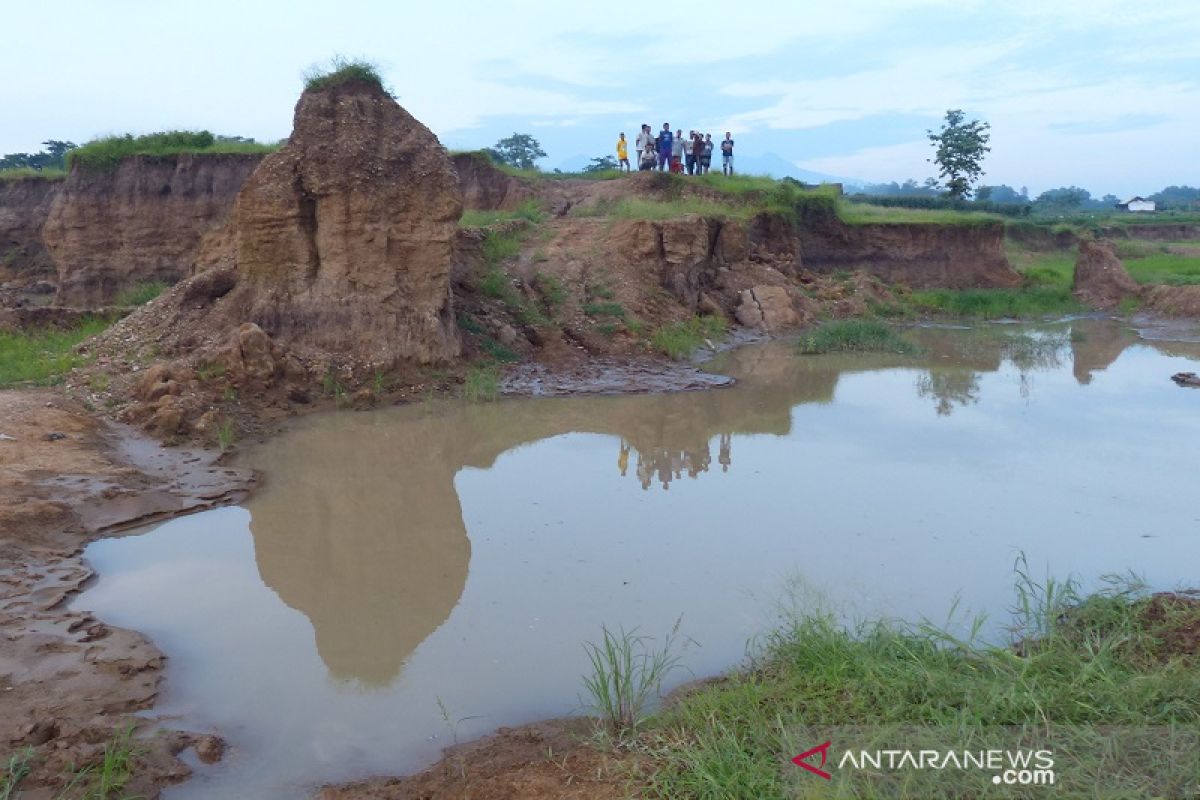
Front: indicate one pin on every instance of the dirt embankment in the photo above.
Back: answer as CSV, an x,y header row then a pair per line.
x,y
145,220
69,682
919,256
485,187
26,269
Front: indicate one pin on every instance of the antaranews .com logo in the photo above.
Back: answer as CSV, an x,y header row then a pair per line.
x,y
1022,767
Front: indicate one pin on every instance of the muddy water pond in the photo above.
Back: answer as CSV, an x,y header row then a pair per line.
x,y
417,575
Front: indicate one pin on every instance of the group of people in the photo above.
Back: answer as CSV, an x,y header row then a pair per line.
x,y
675,152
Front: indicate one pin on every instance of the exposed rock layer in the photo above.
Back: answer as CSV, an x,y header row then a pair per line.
x,y
144,221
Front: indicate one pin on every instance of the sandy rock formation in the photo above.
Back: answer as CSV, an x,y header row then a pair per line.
x,y
344,237
1101,280
146,220
768,308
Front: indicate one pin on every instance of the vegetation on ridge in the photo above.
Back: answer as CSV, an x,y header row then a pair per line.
x,y
342,70
107,153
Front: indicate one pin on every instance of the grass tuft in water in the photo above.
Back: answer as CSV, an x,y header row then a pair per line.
x,y
627,675
856,336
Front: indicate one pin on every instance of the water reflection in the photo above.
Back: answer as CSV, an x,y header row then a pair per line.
x,y
360,527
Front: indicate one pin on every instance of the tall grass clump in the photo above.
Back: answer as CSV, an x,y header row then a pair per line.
x,y
627,676
856,336
680,339
1107,682
1029,301
15,771
342,70
140,294
106,153
107,779
482,384
41,357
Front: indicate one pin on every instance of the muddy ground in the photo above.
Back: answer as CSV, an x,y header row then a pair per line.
x,y
70,682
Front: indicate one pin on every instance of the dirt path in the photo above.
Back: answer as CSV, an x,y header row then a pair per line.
x,y
69,682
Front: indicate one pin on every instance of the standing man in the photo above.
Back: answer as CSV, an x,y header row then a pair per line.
x,y
665,142
706,154
677,152
689,152
727,155
644,138
622,153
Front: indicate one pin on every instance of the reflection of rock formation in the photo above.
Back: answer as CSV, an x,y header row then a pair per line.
x,y
1095,346
360,528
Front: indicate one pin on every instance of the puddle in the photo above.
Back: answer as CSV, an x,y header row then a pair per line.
x,y
410,576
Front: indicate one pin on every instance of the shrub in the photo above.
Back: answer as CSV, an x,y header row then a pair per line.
x,y
342,70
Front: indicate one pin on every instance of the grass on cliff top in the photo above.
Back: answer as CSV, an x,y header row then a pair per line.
x,y
1108,682
42,357
855,336
342,70
108,152
866,214
21,173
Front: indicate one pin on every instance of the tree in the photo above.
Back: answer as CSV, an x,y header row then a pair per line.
x,y
1065,197
54,157
601,164
959,150
519,150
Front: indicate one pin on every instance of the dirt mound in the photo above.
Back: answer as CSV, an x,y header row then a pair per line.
x,y
1101,280
1173,301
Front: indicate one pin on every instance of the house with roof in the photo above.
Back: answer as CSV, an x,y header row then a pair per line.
x,y
1136,204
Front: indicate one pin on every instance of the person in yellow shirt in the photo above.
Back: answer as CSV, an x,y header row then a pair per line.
x,y
622,153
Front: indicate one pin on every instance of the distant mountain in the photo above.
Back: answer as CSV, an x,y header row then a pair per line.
x,y
779,167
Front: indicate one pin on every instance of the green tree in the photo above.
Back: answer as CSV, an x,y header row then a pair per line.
x,y
601,164
960,147
1065,197
519,150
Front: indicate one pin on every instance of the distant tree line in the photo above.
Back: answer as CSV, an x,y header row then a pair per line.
x,y
54,156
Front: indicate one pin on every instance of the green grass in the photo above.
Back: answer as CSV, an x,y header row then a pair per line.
x,y
530,210
107,153
856,336
628,670
1024,303
482,384
140,294
42,357
680,339
606,309
1089,678
21,173
340,71
643,208
107,779
15,771
226,434
1170,268
865,214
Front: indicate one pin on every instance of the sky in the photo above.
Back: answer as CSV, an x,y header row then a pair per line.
x,y
1102,94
